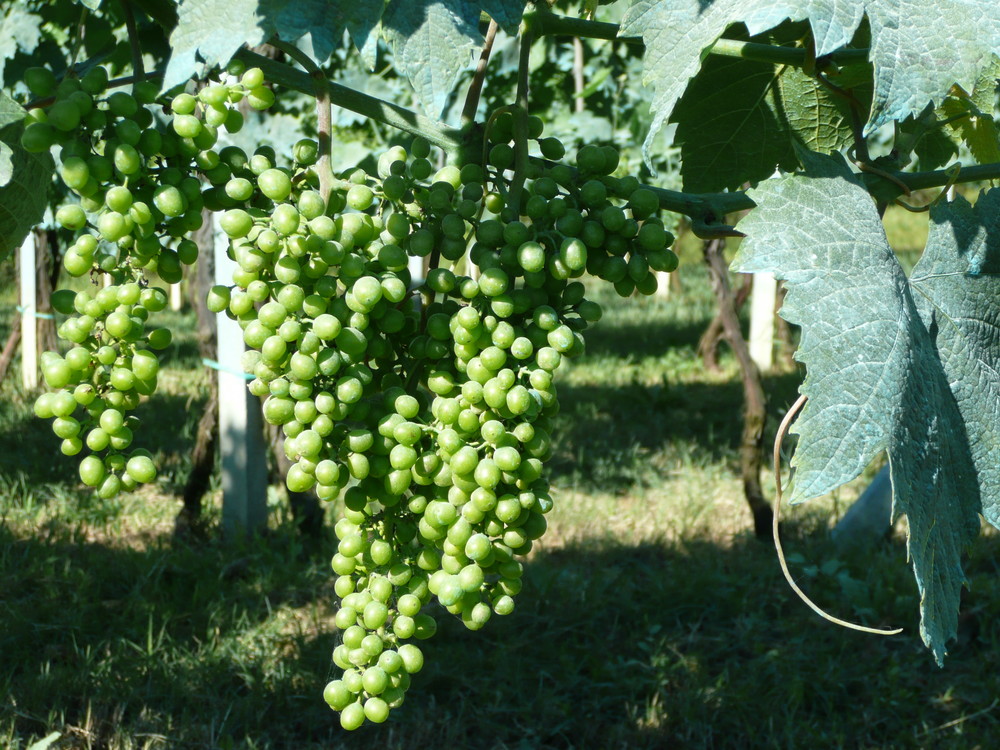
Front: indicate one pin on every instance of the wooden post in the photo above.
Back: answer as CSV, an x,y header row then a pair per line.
x,y
29,323
765,289
176,298
241,436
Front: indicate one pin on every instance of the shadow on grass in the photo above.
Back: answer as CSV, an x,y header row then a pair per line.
x,y
611,438
689,646
627,340
29,447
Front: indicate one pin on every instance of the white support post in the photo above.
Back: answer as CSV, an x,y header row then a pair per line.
x,y
29,323
765,289
241,434
176,299
663,284
415,265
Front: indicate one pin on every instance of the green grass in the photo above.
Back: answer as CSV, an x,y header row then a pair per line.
x,y
650,616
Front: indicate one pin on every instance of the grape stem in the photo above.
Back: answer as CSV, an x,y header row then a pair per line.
x,y
779,438
520,125
391,114
138,69
476,88
324,123
77,41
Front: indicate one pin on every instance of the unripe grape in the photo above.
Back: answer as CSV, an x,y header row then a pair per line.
x,y
275,184
260,97
141,469
64,115
40,81
92,471
252,78
71,216
352,716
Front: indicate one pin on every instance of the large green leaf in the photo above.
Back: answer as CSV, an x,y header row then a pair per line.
x,y
432,43
212,30
920,48
739,119
24,179
909,367
507,13
974,113
20,30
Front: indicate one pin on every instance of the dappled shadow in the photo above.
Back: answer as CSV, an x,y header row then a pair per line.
x,y
605,436
638,339
28,446
690,645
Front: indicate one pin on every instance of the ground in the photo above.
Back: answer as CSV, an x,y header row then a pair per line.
x,y
650,617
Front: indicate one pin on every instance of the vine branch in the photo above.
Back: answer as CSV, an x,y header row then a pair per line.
x,y
521,123
391,114
706,209
133,39
476,88
779,438
324,122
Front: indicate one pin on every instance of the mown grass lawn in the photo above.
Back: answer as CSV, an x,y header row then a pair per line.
x,y
650,617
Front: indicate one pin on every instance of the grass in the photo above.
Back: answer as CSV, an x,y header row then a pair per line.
x,y
650,616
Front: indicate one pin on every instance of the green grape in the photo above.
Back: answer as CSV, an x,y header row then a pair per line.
x,y
38,137
275,184
40,81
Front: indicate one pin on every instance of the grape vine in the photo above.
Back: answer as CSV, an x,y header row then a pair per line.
x,y
422,402
429,407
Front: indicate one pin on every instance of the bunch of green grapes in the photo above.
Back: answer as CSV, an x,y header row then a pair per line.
x,y
434,417
138,184
427,410
604,225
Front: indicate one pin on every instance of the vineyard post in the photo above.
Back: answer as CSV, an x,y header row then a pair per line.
x,y
29,323
765,289
241,441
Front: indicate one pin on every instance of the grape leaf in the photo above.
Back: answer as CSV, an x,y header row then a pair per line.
x,y
214,29
958,280
432,41
19,30
362,22
920,48
975,123
909,367
507,13
739,119
24,185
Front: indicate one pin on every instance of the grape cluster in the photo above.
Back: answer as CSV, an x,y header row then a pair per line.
x,y
431,420
138,184
605,225
424,405
103,376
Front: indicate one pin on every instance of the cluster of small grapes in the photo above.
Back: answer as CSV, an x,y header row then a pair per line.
x,y
104,375
605,225
139,194
465,493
